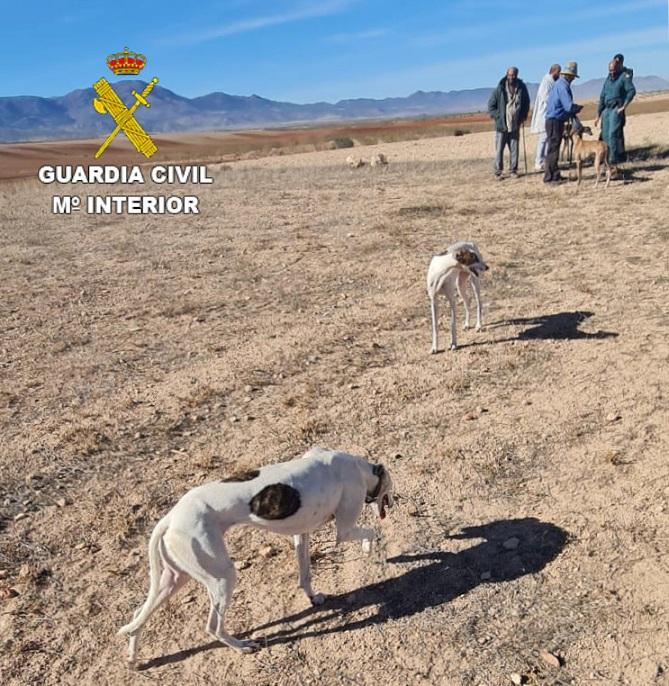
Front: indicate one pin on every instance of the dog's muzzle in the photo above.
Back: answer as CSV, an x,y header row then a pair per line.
x,y
381,500
383,505
478,268
380,504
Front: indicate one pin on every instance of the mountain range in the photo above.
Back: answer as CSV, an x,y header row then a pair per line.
x,y
25,118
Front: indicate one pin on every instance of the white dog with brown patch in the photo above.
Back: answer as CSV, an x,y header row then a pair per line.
x,y
451,271
293,498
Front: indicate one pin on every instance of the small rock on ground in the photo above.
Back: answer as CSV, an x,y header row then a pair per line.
x,y
550,658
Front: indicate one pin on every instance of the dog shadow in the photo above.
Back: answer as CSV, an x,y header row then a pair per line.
x,y
509,550
556,327
648,158
640,160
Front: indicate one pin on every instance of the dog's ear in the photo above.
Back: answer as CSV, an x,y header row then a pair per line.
x,y
378,470
466,257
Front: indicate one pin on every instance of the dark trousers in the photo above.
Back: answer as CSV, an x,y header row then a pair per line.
x,y
621,140
554,129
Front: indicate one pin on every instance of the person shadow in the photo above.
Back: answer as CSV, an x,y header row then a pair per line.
x,y
509,549
649,158
645,158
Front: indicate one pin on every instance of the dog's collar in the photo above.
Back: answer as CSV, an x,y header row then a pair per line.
x,y
377,471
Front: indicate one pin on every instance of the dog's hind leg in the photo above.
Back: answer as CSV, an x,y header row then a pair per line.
x,y
205,558
463,292
301,542
170,582
607,164
598,169
166,579
435,333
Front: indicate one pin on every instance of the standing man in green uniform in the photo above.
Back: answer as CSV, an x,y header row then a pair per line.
x,y
629,73
617,93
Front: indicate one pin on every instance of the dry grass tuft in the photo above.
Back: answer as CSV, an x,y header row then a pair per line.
x,y
83,439
424,210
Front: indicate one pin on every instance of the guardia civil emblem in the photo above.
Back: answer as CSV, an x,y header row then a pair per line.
x,y
108,102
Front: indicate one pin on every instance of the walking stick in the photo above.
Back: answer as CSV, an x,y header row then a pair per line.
x,y
524,148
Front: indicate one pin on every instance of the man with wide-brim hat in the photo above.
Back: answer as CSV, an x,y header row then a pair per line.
x,y
559,109
570,70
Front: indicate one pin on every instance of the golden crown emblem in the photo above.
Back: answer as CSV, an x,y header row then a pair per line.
x,y
126,62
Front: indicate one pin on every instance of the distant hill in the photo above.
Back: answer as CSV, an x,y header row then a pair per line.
x,y
643,84
25,118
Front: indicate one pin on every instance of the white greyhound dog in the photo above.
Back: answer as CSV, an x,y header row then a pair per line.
x,y
449,271
293,498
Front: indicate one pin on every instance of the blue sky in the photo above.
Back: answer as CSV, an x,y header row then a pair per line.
x,y
309,50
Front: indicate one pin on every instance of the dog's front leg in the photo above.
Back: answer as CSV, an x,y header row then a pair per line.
x,y
461,285
301,542
357,533
435,333
346,515
451,300
476,285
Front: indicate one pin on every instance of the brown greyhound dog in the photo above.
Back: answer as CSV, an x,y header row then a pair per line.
x,y
585,149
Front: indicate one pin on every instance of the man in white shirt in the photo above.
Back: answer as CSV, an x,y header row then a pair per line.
x,y
539,114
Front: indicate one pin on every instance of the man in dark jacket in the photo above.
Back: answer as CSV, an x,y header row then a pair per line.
x,y
509,106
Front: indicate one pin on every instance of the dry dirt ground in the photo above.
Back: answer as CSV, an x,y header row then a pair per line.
x,y
141,356
20,160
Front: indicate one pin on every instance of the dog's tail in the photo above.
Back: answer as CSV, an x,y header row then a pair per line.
x,y
155,572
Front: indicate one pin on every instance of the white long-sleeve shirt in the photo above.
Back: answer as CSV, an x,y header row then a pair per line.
x,y
539,111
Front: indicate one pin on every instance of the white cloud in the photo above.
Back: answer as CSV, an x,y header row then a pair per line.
x,y
592,54
576,14
299,13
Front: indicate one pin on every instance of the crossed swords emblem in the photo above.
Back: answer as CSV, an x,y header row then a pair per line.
x,y
108,102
